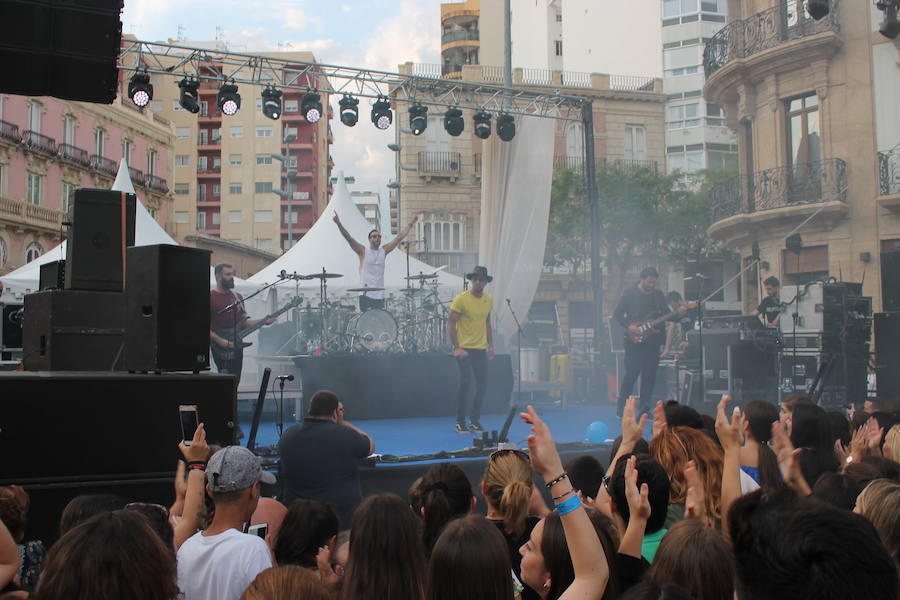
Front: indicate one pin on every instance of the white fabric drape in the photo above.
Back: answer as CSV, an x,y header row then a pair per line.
x,y
515,208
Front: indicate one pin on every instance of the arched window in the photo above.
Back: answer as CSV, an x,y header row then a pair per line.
x,y
3,253
575,141
33,251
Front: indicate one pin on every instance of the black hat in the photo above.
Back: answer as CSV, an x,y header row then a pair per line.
x,y
479,271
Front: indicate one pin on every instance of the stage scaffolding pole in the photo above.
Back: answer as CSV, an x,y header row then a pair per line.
x,y
590,181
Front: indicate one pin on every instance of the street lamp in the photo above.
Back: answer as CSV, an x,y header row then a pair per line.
x,y
285,160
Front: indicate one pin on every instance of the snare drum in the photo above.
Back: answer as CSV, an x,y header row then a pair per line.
x,y
374,330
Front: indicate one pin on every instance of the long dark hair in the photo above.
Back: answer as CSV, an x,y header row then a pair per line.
x,y
760,416
307,526
811,431
446,494
696,558
558,561
387,559
470,560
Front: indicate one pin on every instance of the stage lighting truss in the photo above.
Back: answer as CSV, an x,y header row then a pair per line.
x,y
454,124
349,109
506,127
382,116
140,90
311,107
418,118
271,103
482,124
228,99
187,96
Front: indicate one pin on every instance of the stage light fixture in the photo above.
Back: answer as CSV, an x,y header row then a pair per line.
x,y
418,118
506,127
454,123
187,96
817,9
311,107
382,116
271,103
890,26
228,100
482,124
349,111
140,89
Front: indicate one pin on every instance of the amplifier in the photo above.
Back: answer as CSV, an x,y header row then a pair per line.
x,y
824,307
798,372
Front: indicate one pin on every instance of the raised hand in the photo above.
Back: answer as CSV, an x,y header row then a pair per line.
x,y
198,450
729,433
788,461
695,497
638,500
659,418
858,443
330,577
544,456
874,435
632,428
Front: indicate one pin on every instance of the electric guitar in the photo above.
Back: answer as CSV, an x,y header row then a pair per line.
x,y
220,353
647,327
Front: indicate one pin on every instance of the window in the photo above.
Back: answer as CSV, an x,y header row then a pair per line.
x,y
182,160
263,132
804,139
687,162
216,217
559,17
215,135
202,163
716,6
721,160
262,216
151,162
182,189
216,190
290,131
444,233
99,134
810,264
67,194
294,217
201,192
674,8
201,220
204,137
69,130
156,105
235,160
557,46
291,105
263,187
33,251
234,188
715,114
204,108
234,216
684,115
183,133
264,244
127,147
635,142
181,216
153,212
33,189
34,116
4,253
236,131
264,159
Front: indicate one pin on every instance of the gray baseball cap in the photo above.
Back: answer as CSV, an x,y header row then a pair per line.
x,y
235,468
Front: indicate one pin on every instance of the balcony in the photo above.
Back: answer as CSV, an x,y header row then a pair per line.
x,y
137,176
759,199
889,179
458,263
157,184
439,164
39,143
74,155
104,165
459,35
625,164
10,132
31,215
214,142
205,171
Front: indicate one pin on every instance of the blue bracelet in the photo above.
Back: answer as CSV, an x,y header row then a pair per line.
x,y
564,508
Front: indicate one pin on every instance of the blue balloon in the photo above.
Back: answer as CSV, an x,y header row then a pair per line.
x,y
597,432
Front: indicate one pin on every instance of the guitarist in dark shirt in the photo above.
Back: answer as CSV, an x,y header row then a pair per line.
x,y
220,297
640,303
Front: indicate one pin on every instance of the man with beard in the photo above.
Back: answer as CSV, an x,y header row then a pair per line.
x,y
220,322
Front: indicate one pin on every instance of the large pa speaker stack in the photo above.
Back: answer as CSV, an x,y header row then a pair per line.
x,y
887,355
102,227
890,281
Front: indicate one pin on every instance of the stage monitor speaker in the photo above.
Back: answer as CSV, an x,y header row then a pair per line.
x,y
73,330
94,259
53,275
11,317
167,309
887,355
890,281
63,48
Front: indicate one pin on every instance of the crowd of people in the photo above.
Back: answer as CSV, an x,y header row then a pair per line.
x,y
788,502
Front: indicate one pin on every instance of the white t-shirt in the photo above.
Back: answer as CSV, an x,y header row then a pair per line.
x,y
371,271
220,567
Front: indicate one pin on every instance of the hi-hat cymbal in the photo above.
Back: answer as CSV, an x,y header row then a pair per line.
x,y
323,275
422,276
366,289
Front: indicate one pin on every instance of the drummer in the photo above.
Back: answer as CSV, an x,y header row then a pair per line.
x,y
371,262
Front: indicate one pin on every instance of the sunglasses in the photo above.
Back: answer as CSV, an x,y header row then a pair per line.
x,y
159,507
518,453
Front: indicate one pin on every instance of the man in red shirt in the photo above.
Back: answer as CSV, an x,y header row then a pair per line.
x,y
221,297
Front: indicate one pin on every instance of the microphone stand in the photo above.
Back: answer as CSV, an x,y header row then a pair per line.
x,y
233,308
504,433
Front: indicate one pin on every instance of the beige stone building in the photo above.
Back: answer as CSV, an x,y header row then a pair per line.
x,y
814,105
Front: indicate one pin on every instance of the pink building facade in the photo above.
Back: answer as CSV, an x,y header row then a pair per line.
x,y
50,147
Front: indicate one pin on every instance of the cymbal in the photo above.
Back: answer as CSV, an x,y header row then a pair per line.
x,y
322,275
366,289
422,276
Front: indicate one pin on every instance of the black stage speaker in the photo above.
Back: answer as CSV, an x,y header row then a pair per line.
x,y
167,309
73,330
887,355
52,276
62,48
67,434
890,281
11,317
94,248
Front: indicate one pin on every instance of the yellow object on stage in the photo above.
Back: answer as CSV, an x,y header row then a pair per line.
x,y
560,370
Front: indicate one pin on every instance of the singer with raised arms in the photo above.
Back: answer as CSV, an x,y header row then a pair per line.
x,y
371,262
469,329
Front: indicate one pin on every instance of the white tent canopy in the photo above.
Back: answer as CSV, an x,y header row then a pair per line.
x,y
324,247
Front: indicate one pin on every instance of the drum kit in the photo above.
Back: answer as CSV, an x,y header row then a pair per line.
x,y
413,320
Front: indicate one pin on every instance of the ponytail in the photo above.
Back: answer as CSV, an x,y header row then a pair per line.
x,y
436,508
514,506
446,493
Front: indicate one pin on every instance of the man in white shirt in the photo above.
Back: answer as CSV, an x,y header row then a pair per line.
x,y
221,561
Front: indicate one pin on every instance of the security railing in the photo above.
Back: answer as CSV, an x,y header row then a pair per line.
x,y
39,143
74,154
439,162
104,165
457,35
889,172
156,183
9,131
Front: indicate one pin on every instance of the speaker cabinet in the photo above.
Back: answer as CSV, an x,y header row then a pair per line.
x,y
887,355
167,309
52,275
100,219
890,280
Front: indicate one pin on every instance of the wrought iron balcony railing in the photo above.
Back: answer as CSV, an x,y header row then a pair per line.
x,y
772,27
781,187
39,143
439,162
137,176
889,172
10,132
74,154
156,183
104,165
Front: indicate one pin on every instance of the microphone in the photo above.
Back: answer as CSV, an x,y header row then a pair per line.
x,y
508,302
283,274
285,377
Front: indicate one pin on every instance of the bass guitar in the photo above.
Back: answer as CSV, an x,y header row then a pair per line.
x,y
220,353
639,331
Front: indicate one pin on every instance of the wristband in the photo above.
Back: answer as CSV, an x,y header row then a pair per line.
x,y
564,494
553,482
197,464
564,508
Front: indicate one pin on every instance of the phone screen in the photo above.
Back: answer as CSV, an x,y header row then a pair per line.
x,y
188,413
259,530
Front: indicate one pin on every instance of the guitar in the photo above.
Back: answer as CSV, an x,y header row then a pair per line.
x,y
220,353
647,327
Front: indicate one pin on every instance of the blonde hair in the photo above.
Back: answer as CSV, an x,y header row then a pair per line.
x,y
891,446
286,583
880,504
507,488
674,447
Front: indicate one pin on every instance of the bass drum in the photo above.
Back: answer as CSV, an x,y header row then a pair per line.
x,y
373,330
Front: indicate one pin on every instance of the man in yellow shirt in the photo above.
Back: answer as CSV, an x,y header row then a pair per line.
x,y
469,328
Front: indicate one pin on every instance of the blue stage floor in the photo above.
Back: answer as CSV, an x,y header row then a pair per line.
x,y
424,436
